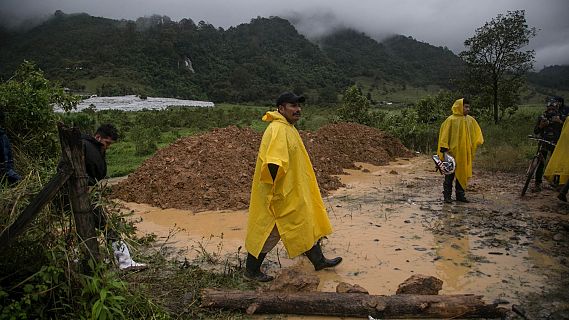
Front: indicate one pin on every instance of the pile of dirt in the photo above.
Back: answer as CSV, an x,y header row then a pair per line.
x,y
214,170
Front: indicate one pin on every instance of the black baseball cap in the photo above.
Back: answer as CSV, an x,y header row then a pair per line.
x,y
289,97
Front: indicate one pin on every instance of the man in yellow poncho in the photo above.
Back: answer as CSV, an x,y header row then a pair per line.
x,y
285,199
559,162
459,135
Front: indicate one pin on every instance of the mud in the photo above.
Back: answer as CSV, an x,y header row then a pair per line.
x,y
390,223
214,170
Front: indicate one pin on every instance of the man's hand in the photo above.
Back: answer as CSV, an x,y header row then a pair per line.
x,y
273,169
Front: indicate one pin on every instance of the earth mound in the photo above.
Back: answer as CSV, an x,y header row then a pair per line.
x,y
214,170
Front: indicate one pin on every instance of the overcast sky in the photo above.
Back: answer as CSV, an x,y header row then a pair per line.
x,y
438,22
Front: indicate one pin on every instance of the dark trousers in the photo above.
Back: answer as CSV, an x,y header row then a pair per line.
x,y
447,186
101,224
541,168
100,216
565,188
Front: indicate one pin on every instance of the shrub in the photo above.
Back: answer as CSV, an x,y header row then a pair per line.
x,y
355,107
28,98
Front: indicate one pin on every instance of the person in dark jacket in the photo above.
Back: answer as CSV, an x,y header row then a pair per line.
x,y
548,127
95,148
7,171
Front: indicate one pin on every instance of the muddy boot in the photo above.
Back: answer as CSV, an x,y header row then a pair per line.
x,y
447,188
318,260
460,193
447,198
462,198
253,268
563,193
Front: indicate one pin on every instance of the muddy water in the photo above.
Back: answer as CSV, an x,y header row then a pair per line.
x,y
387,223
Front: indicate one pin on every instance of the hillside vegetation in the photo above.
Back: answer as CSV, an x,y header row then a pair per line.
x,y
251,62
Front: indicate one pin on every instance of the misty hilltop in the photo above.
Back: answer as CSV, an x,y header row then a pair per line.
x,y
252,62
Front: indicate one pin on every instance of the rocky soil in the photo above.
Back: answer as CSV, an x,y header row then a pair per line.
x,y
214,170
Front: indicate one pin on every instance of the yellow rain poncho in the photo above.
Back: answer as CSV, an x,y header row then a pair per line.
x,y
293,202
559,161
461,135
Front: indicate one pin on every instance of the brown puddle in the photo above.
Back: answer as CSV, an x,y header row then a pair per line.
x,y
384,235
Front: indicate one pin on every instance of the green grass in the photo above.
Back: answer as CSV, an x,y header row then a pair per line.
x,y
122,159
506,146
91,85
398,95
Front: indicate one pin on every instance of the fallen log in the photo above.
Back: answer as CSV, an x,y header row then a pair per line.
x,y
353,304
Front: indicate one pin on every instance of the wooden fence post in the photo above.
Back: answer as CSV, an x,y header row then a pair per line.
x,y
73,154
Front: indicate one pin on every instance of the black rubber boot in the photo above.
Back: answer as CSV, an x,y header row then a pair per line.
x,y
460,194
563,193
447,188
253,268
318,260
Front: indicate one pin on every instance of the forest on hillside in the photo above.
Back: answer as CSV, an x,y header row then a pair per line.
x,y
252,62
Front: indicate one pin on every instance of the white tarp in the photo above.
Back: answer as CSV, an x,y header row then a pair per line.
x,y
134,103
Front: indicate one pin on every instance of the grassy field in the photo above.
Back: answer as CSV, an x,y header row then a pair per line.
x,y
91,85
506,146
396,94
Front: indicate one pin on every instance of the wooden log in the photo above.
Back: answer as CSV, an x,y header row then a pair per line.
x,y
73,155
352,304
29,213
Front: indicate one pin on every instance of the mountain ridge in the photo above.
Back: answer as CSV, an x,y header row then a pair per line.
x,y
251,62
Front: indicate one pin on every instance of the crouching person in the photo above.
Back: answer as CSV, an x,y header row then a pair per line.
x,y
285,199
95,148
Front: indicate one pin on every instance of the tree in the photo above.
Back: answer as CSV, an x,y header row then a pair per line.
x,y
495,65
355,107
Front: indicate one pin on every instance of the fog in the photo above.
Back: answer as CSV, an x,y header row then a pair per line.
x,y
444,23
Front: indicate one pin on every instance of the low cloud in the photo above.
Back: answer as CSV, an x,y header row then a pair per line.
x,y
438,22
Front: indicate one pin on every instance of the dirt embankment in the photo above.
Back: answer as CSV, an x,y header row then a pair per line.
x,y
213,171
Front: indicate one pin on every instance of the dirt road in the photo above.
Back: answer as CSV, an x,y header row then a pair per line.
x,y
390,223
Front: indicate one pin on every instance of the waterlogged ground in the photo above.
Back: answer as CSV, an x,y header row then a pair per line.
x,y
390,223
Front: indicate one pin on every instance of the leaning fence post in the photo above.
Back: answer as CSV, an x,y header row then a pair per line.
x,y
73,155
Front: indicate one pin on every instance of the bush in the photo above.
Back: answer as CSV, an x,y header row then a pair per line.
x,y
435,109
355,107
28,98
145,139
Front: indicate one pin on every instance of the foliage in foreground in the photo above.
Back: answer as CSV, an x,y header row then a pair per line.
x,y
43,275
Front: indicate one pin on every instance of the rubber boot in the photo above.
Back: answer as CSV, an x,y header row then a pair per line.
x,y
447,188
122,255
563,193
253,268
318,260
460,194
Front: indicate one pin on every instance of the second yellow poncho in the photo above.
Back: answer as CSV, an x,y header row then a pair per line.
x,y
559,162
292,202
461,135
